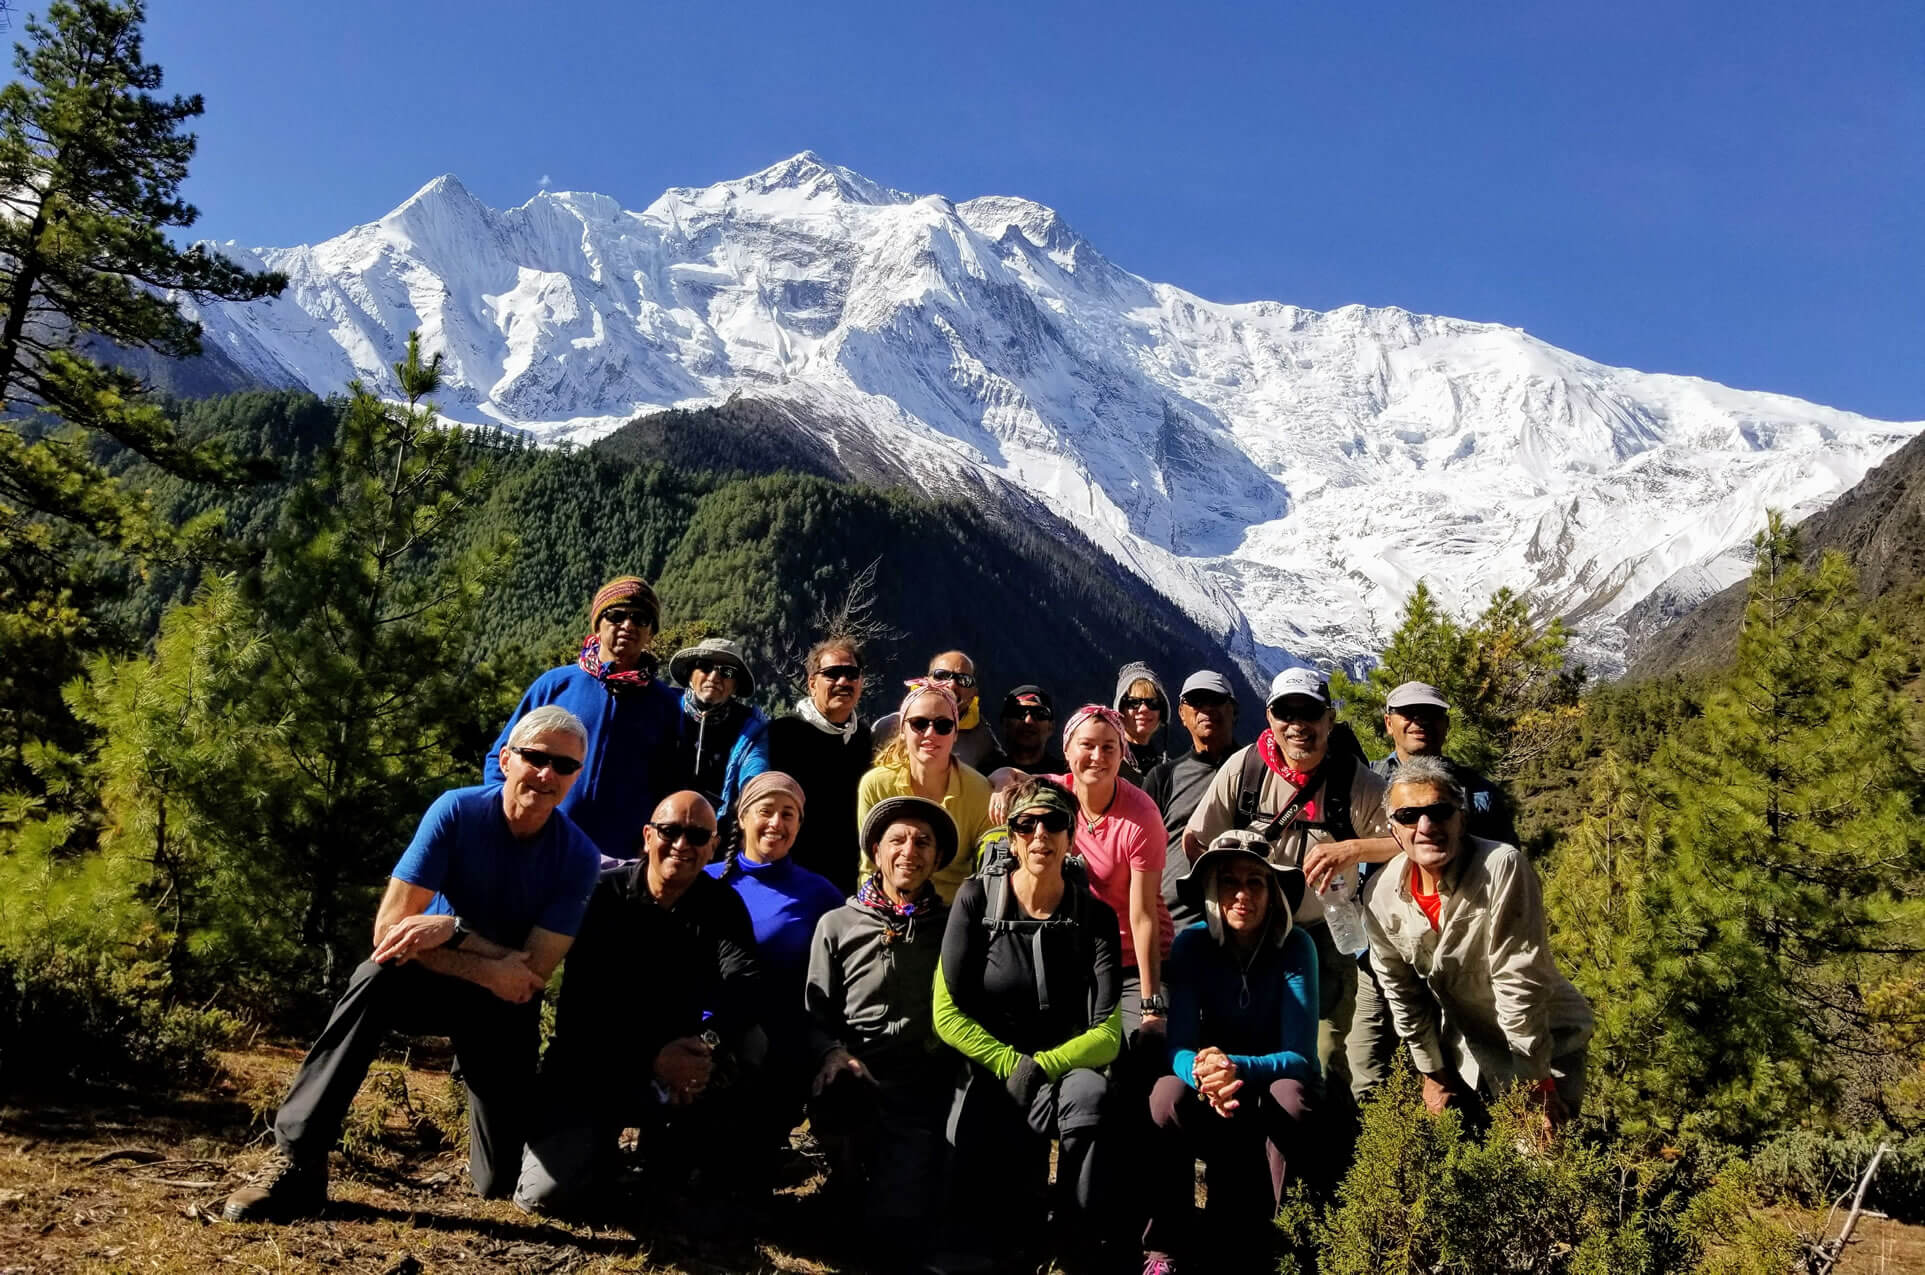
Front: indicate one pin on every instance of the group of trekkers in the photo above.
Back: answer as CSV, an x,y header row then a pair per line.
x,y
946,944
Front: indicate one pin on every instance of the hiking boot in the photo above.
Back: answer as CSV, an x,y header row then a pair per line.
x,y
282,1191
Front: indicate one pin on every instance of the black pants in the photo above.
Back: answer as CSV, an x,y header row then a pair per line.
x,y
495,1047
892,1137
1267,1131
1004,1149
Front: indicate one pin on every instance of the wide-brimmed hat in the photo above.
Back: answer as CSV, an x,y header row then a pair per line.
x,y
719,651
1230,845
890,809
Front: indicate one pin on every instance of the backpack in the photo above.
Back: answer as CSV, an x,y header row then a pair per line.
x,y
1001,914
1333,776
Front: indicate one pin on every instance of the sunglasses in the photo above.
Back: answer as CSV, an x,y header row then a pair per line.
x,y
715,669
693,833
941,725
964,680
1048,821
1439,812
1026,713
1205,700
1302,710
560,763
616,617
1133,702
840,673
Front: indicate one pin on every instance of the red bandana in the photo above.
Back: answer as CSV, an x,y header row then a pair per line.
x,y
1298,779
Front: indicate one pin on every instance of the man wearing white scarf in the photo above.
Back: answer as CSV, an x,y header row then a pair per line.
x,y
827,747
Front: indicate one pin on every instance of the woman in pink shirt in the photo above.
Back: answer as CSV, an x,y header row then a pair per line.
x,y
1122,842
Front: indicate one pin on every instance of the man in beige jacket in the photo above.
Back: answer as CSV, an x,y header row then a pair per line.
x,y
1459,944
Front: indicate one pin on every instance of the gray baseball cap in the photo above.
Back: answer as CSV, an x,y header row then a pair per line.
x,y
1299,681
1207,680
1413,694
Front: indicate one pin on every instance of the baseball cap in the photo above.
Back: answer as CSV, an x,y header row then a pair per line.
x,y
1299,681
1411,694
1206,680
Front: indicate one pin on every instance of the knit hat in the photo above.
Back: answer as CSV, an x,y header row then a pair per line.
x,y
770,781
630,589
1229,845
1129,675
921,809
715,651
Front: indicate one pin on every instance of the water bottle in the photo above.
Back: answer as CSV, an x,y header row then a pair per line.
x,y
1344,915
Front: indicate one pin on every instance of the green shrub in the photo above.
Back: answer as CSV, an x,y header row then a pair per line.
x,y
1428,1194
1814,1169
67,1018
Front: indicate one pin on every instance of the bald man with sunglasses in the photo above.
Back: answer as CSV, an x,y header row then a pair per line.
x,y
661,1003
975,742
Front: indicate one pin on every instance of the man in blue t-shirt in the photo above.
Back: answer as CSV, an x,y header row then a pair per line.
x,y
480,910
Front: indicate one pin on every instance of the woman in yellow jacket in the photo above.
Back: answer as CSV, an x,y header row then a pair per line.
x,y
919,762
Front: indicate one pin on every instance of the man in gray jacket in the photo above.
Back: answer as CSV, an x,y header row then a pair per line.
x,y
1460,947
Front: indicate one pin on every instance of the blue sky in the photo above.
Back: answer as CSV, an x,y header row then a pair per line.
x,y
1728,190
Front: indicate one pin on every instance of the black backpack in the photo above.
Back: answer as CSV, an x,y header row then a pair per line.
x,y
1333,776
1001,915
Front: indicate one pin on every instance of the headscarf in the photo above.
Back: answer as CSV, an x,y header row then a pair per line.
x,y
920,686
1049,795
1101,713
770,781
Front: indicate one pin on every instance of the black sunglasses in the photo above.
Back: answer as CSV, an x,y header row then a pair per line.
x,y
1032,713
560,763
1049,820
712,667
1205,699
1133,702
694,833
941,725
950,675
841,673
1439,812
618,616
1301,710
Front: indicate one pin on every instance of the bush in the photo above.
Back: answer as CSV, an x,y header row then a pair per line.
x,y
66,1018
1428,1194
1814,1169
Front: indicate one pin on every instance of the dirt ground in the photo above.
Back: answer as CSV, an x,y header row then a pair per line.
x,y
106,1186
127,1183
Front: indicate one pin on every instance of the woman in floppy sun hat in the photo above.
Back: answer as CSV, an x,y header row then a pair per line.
x,y
1243,1050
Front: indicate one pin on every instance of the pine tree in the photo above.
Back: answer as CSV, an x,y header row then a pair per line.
x,y
91,162
379,700
1506,676
1793,826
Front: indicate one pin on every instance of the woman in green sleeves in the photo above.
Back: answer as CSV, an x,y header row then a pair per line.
x,y
1028,991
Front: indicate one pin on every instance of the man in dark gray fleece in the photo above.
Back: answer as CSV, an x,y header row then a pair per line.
x,y
1208,709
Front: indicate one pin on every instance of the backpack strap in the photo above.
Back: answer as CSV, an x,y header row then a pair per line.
x,y
1249,787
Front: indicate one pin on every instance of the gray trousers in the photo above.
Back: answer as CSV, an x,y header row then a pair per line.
x,y
495,1045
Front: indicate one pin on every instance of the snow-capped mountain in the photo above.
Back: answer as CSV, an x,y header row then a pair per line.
x,y
1286,475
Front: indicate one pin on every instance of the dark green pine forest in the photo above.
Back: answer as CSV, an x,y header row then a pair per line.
x,y
246,639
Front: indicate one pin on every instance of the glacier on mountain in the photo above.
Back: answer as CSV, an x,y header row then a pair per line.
x,y
1285,475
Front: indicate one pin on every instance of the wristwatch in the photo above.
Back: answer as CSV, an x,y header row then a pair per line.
x,y
1156,1006
459,937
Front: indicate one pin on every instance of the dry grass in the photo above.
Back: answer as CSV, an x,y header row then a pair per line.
x,y
399,1202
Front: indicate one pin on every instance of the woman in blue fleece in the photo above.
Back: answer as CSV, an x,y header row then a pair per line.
x,y
785,900
1243,1053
